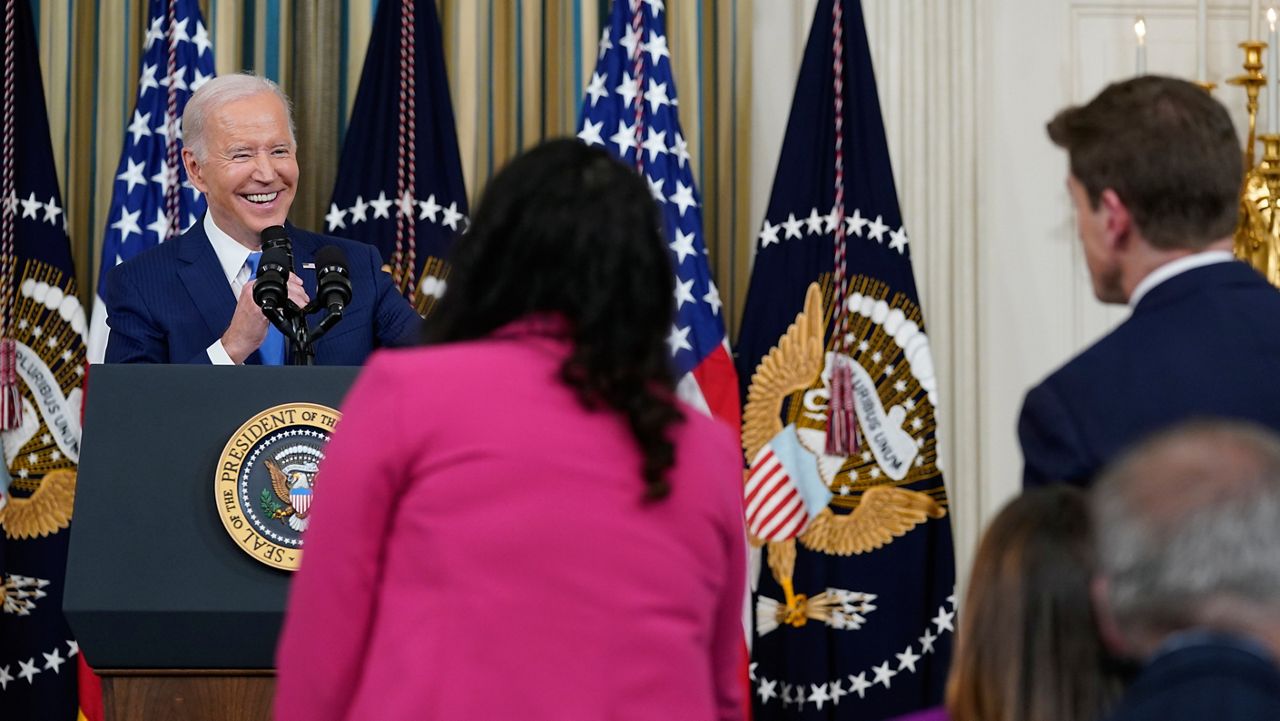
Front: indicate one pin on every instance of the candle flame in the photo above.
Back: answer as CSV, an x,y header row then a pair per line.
x,y
1271,18
1140,29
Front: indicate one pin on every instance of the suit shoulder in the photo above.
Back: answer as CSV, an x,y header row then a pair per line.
x,y
1114,347
352,248
150,260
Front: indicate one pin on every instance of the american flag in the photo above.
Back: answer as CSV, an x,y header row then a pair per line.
x,y
630,109
152,200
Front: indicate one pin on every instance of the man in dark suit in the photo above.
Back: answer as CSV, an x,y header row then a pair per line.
x,y
190,300
1155,176
1188,579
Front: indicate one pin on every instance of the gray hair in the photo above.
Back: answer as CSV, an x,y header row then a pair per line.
x,y
1187,520
219,91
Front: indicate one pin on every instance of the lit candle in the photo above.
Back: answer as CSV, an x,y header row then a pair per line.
x,y
1140,30
1273,69
1202,40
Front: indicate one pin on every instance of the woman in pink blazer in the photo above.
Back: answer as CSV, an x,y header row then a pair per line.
x,y
519,520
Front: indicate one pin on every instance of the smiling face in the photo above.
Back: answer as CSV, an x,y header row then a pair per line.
x,y
250,173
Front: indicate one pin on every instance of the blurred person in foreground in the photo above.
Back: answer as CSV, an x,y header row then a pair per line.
x,y
1155,176
1189,572
520,520
1027,647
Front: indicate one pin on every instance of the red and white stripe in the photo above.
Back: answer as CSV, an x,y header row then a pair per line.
x,y
301,500
712,387
775,510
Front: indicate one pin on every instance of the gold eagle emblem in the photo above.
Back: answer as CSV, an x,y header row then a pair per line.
x,y
46,511
880,510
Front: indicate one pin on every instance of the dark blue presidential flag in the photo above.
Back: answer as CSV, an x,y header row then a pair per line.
x,y
151,199
42,333
854,609
630,109
399,183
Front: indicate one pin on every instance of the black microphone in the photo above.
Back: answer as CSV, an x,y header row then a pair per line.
x,y
275,236
333,280
271,289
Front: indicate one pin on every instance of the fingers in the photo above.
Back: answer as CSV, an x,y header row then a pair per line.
x,y
248,327
297,293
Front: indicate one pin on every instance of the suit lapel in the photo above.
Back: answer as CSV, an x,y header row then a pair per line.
x,y
202,276
305,246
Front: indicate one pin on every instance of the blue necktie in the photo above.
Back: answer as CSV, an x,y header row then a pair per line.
x,y
272,348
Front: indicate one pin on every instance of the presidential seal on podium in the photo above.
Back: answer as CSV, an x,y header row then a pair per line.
x,y
265,480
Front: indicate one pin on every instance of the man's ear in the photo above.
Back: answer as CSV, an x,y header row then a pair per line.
x,y
1108,629
193,169
1117,218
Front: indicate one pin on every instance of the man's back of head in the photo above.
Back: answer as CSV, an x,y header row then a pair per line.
x,y
1168,150
1189,535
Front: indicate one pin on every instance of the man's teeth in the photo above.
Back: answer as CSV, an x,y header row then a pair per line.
x,y
262,197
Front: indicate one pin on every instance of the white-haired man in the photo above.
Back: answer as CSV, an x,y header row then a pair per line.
x,y
1188,528
190,300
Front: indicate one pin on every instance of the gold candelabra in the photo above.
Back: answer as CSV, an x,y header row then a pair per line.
x,y
1253,80
1257,237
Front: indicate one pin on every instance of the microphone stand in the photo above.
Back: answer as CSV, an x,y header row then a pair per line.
x,y
293,327
329,321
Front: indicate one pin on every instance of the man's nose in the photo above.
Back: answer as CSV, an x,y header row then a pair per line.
x,y
263,168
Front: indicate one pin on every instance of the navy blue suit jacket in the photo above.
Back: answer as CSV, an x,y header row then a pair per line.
x,y
1205,343
1217,681
171,302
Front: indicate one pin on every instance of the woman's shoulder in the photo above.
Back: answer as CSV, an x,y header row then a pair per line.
x,y
470,357
706,445
701,428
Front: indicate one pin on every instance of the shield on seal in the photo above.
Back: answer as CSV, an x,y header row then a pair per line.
x,y
300,498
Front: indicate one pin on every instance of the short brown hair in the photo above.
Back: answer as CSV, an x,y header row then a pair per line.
x,y
1027,648
1167,149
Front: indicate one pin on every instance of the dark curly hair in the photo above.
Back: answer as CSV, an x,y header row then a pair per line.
x,y
564,229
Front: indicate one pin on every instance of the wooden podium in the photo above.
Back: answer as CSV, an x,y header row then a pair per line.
x,y
187,695
180,623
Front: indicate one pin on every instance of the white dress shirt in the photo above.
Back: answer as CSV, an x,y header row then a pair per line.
x,y
1177,267
232,256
